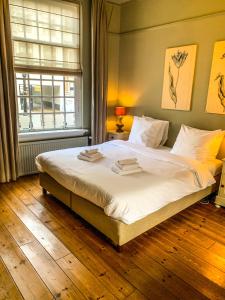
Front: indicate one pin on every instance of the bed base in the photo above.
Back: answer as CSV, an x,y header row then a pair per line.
x,y
116,231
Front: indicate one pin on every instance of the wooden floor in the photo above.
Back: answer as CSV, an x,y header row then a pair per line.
x,y
47,252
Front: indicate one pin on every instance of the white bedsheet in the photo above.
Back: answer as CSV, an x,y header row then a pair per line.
x,y
166,178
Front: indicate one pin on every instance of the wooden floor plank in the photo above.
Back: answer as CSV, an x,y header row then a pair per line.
x,y
112,280
17,229
207,255
8,289
193,278
125,268
181,258
24,275
55,248
56,280
136,276
136,295
35,206
218,249
87,283
203,267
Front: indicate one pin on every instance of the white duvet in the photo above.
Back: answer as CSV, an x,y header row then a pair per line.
x,y
166,178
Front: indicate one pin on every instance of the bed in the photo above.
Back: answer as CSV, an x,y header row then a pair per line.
x,y
118,206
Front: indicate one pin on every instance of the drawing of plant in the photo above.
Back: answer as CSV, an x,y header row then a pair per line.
x,y
221,91
172,89
179,59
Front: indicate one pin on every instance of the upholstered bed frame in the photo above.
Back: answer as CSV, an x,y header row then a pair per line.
x,y
118,232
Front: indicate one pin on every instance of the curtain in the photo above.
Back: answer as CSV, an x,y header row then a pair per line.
x,y
8,123
99,71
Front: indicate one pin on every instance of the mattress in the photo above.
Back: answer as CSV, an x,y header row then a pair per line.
x,y
166,177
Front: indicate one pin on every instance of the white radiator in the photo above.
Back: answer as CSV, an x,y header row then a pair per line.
x,y
29,150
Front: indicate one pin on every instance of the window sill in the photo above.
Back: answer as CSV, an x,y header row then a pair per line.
x,y
50,135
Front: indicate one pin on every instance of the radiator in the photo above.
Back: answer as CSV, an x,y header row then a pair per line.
x,y
29,150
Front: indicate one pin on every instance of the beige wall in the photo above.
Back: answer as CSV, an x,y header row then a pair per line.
x,y
148,27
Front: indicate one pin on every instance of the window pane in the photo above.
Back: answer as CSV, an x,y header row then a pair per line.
x,y
43,19
47,105
23,105
47,88
35,103
31,33
59,105
48,121
52,103
70,120
22,87
69,89
37,29
59,120
18,30
34,76
30,16
56,36
44,34
24,122
35,87
58,88
56,22
70,105
58,77
36,121
47,77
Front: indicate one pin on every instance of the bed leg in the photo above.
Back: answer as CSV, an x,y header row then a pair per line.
x,y
118,248
44,191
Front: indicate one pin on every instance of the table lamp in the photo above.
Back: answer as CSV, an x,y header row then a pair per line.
x,y
120,111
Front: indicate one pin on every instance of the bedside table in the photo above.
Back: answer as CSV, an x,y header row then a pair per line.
x,y
113,135
220,199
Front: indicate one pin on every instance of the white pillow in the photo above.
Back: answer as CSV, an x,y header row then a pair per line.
x,y
165,128
146,132
198,144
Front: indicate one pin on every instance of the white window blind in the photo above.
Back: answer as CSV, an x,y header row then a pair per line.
x,y
46,34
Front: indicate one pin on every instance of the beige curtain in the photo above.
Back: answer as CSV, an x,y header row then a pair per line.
x,y
8,124
99,71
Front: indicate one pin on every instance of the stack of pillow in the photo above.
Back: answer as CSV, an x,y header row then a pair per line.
x,y
202,145
126,166
149,132
90,155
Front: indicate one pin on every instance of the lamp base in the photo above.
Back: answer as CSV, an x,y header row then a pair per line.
x,y
119,128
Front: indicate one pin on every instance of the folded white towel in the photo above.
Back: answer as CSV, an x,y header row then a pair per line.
x,y
91,151
95,157
87,154
127,161
118,171
127,167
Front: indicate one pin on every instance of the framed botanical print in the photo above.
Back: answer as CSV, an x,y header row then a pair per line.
x,y
216,91
178,77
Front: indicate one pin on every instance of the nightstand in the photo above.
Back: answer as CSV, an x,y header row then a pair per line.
x,y
220,199
113,135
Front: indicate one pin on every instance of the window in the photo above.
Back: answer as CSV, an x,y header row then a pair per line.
x,y
46,44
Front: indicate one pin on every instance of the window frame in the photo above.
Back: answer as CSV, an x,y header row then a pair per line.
x,y
56,71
